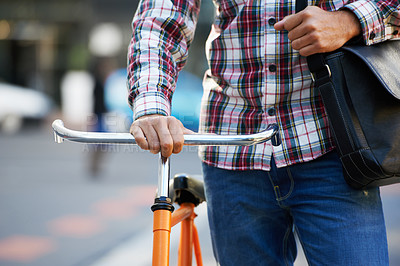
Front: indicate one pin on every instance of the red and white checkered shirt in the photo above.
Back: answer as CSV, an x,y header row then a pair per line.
x,y
255,78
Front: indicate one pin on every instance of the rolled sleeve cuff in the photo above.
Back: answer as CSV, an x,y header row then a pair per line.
x,y
371,21
151,102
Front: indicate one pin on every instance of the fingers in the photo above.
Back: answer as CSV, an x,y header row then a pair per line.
x,y
300,29
176,133
288,23
280,25
307,45
139,136
159,134
314,30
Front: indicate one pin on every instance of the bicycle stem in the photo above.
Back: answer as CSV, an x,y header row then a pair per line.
x,y
163,177
162,209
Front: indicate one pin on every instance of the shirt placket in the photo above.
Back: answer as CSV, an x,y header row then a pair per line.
x,y
270,68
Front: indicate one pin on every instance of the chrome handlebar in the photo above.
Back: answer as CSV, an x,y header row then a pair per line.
x,y
62,133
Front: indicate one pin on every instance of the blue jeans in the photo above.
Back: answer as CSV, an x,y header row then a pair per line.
x,y
253,216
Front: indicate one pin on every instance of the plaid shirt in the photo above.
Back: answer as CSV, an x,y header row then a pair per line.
x,y
254,79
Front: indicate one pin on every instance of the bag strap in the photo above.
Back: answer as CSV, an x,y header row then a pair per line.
x,y
321,76
300,5
316,63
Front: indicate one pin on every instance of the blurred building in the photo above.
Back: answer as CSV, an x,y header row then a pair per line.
x,y
40,40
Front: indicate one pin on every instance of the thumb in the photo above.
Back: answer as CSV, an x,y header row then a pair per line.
x,y
187,131
280,25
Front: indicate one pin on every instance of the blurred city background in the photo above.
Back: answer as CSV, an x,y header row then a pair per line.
x,y
76,204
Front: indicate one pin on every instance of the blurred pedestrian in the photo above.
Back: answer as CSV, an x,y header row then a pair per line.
x,y
101,69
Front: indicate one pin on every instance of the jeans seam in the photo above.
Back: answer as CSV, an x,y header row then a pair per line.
x,y
291,185
285,242
273,186
285,238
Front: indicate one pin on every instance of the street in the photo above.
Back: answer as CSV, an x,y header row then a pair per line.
x,y
54,211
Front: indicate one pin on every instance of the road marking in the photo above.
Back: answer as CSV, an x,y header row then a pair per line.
x,y
140,195
114,209
76,226
25,248
125,205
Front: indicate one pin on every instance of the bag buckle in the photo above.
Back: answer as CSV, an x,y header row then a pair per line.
x,y
328,70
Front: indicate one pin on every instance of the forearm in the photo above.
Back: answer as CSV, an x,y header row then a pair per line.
x,y
162,33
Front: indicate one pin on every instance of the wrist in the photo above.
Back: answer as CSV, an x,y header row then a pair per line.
x,y
351,24
148,115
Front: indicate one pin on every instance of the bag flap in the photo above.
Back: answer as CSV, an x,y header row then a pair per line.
x,y
384,60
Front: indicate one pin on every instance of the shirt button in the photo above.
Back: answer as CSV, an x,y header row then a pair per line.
x,y
372,36
272,68
271,21
271,111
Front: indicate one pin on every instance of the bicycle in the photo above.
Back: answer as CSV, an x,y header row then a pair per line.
x,y
183,189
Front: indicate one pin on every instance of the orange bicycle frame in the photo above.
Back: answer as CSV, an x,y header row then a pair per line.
x,y
164,219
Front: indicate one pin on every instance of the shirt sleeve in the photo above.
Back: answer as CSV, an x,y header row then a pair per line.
x,y
162,33
380,20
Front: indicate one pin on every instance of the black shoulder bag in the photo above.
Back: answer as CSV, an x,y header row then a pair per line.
x,y
360,89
